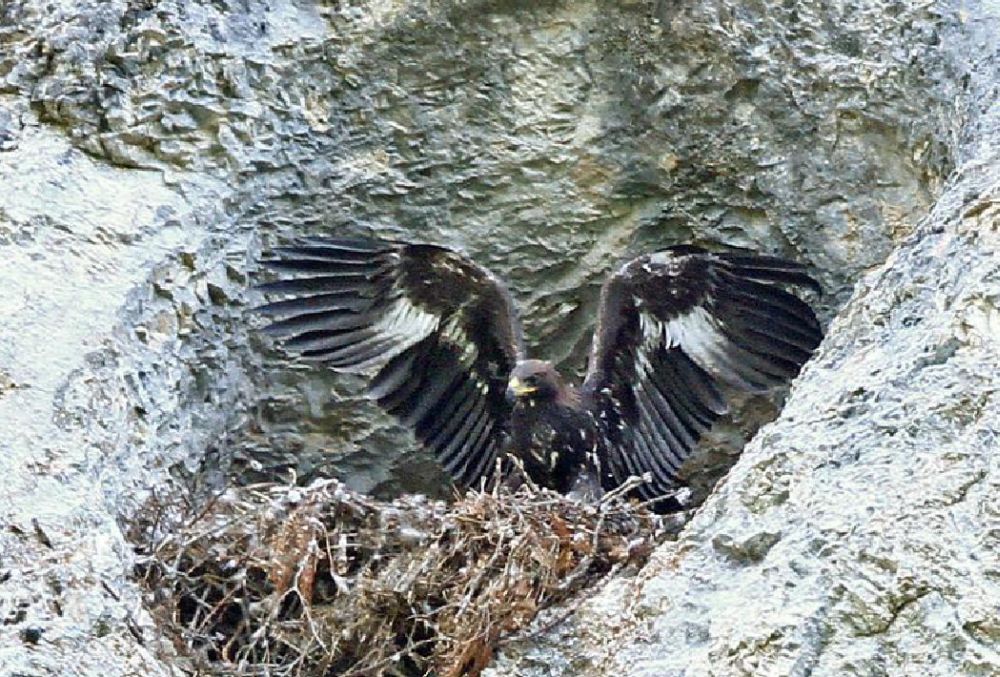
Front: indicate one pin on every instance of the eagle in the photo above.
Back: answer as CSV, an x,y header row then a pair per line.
x,y
442,341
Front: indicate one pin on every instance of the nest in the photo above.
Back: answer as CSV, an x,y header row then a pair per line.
x,y
279,580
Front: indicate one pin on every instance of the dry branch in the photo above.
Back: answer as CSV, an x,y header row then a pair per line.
x,y
280,580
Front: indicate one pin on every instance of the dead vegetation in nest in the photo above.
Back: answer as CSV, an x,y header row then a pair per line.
x,y
281,580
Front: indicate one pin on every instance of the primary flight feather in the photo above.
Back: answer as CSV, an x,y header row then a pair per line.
x,y
444,341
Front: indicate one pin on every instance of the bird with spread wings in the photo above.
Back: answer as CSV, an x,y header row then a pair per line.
x,y
443,340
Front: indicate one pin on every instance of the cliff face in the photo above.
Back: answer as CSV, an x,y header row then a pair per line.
x,y
857,534
148,149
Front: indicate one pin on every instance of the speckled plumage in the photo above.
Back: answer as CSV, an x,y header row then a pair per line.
x,y
556,437
445,343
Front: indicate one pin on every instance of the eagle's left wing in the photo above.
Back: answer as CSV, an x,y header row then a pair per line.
x,y
440,332
672,327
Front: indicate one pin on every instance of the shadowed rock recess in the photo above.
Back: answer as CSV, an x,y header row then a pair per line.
x,y
150,149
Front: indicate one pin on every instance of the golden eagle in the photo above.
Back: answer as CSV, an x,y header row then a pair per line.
x,y
443,337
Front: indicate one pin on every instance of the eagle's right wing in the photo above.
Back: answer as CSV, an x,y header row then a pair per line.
x,y
672,327
441,331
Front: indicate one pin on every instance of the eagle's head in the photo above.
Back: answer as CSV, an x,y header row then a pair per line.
x,y
535,380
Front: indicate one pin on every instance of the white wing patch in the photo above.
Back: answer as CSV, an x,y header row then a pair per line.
x,y
453,331
402,325
406,322
696,333
666,259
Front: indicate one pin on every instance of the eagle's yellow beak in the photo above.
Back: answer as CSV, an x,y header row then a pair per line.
x,y
518,388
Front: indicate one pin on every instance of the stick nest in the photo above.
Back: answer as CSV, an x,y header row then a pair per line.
x,y
280,580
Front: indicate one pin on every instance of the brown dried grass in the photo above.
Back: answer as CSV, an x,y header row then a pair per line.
x,y
280,580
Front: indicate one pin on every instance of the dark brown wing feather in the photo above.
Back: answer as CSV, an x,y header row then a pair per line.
x,y
672,327
441,331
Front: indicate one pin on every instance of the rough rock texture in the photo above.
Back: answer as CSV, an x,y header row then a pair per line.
x,y
857,535
148,148
547,139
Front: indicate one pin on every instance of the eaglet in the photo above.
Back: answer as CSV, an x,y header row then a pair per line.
x,y
444,341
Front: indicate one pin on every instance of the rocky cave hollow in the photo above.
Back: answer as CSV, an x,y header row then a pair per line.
x,y
276,422
150,165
